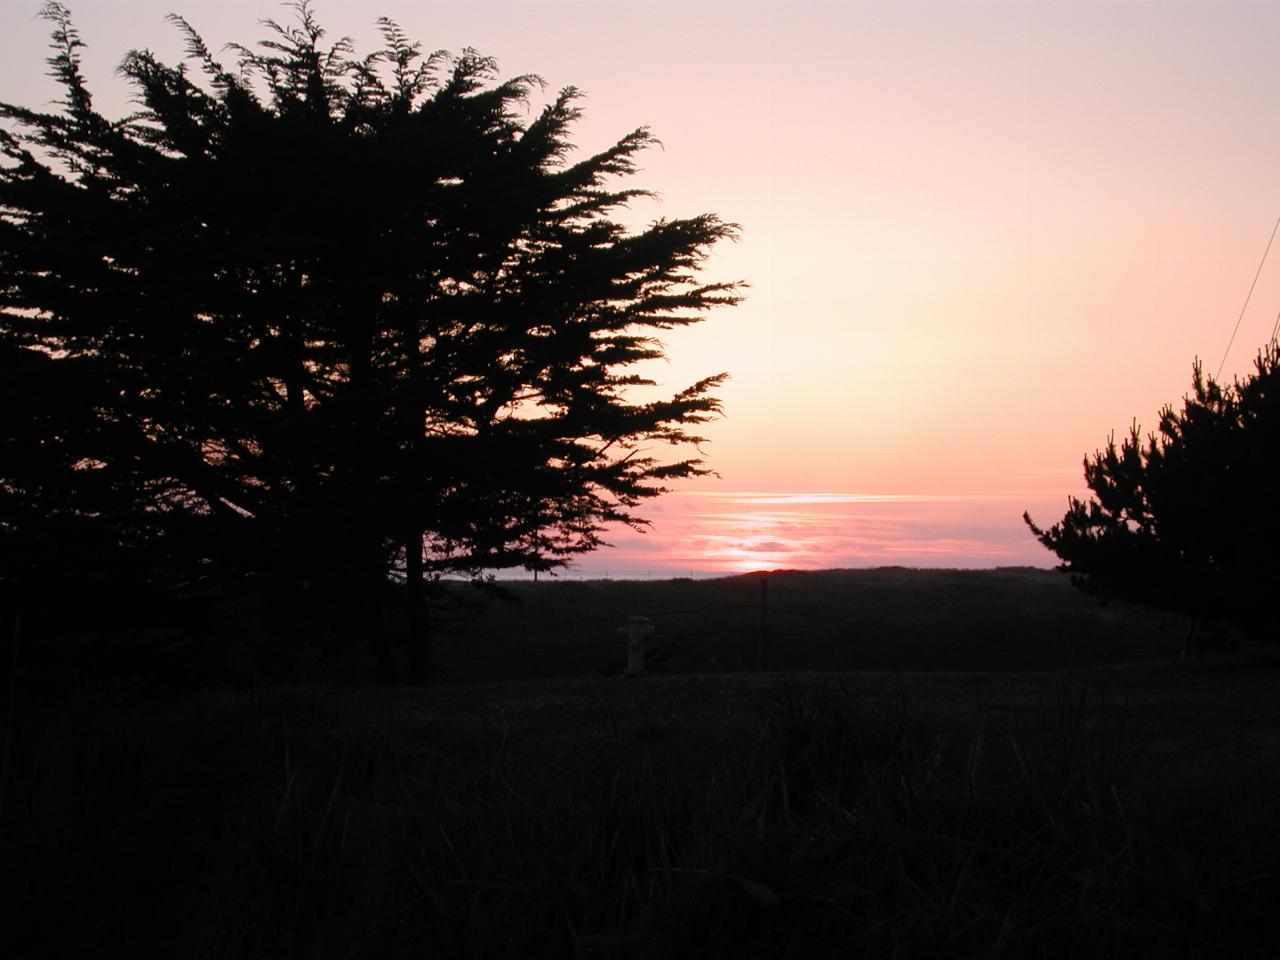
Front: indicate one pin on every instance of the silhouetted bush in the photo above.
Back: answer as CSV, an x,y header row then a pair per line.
x,y
1187,519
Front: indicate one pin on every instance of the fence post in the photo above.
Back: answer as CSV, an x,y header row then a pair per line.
x,y
764,620
639,630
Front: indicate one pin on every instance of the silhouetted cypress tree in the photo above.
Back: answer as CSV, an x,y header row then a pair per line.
x,y
1188,519
327,314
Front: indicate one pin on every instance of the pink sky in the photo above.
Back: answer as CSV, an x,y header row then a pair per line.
x,y
979,236
737,532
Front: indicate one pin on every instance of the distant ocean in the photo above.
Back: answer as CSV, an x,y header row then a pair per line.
x,y
707,534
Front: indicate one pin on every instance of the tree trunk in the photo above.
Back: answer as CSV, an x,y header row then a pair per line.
x,y
369,613
419,639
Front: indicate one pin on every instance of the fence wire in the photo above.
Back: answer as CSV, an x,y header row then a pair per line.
x,y
766,637
753,631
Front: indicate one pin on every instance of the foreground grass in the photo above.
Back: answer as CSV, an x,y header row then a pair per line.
x,y
1127,812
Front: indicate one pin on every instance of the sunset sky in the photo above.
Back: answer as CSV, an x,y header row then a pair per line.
x,y
978,236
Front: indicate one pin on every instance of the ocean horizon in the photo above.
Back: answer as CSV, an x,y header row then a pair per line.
x,y
700,534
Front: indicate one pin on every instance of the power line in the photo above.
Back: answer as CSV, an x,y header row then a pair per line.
x,y
1246,303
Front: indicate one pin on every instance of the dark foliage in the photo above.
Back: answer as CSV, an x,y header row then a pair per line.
x,y
1187,519
322,316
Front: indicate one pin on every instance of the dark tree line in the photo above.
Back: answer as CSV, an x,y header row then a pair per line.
x,y
319,316
1188,518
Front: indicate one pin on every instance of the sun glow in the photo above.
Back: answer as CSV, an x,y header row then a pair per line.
x,y
707,532
742,542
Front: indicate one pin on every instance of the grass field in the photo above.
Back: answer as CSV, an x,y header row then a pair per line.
x,y
1116,810
891,618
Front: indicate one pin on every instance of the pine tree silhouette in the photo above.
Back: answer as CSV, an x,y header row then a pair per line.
x,y
320,315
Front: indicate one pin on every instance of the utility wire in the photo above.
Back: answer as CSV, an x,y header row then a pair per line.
x,y
1246,303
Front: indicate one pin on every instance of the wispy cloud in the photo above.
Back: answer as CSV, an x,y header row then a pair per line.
x,y
737,531
822,499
